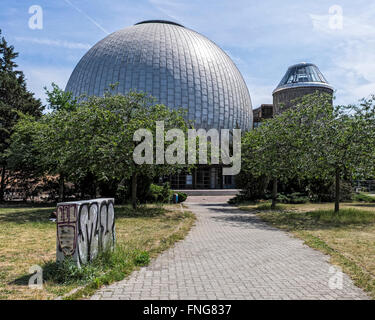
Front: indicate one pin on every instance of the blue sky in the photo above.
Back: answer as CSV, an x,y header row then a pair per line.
x,y
262,37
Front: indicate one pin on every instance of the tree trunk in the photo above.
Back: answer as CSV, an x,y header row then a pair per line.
x,y
2,186
61,188
274,194
134,190
93,190
337,191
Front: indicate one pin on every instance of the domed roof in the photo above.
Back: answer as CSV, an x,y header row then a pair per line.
x,y
176,65
302,75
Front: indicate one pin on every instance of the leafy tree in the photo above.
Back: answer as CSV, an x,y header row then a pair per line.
x,y
314,140
337,140
59,99
22,157
271,152
112,146
95,138
25,152
14,99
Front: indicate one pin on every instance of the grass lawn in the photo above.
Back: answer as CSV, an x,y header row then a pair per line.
x,y
27,238
348,237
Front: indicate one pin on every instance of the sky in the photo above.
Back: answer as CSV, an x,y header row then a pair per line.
x,y
262,37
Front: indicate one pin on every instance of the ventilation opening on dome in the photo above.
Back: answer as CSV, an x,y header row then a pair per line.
x,y
160,21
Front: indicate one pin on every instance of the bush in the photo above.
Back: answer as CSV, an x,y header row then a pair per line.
x,y
155,193
252,188
166,193
241,199
159,194
181,196
110,265
293,198
324,190
362,197
67,272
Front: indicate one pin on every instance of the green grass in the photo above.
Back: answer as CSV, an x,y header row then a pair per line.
x,y
362,197
27,238
346,216
318,218
267,206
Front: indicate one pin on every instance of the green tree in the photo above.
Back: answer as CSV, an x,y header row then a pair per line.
x,y
111,141
28,154
337,140
271,152
59,99
14,100
95,138
314,140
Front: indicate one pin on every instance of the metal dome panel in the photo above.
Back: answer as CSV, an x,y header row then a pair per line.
x,y
302,75
178,66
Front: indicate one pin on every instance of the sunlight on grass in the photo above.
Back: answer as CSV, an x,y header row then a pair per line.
x,y
27,238
344,216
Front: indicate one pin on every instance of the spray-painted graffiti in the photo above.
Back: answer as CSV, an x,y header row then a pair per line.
x,y
66,228
107,221
84,229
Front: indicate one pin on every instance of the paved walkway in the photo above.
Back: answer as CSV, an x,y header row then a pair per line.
x,y
231,254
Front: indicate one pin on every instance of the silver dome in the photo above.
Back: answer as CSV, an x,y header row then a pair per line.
x,y
176,65
303,75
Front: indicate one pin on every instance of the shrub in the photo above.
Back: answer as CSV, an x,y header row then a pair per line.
x,y
362,197
109,265
324,191
241,199
282,198
166,193
293,198
155,193
181,196
67,272
298,197
252,188
159,194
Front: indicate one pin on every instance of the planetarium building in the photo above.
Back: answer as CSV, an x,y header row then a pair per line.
x,y
176,65
299,80
181,69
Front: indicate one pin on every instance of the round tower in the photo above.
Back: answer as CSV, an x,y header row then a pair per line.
x,y
299,80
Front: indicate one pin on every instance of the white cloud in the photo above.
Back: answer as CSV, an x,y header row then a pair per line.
x,y
259,93
351,27
87,16
55,43
353,71
262,38
39,77
352,54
